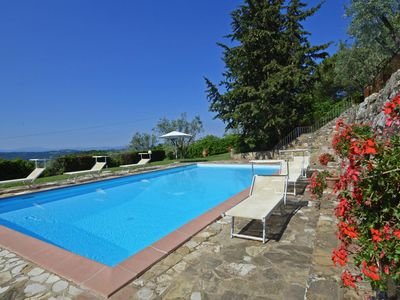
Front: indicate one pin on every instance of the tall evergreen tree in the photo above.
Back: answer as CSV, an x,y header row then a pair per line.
x,y
266,89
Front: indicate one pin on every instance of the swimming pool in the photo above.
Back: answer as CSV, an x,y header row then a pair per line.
x,y
110,220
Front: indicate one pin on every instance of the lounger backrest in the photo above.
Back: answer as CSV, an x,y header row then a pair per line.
x,y
35,174
268,184
98,166
295,168
306,161
298,160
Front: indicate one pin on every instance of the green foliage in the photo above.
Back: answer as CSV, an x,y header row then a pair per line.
x,y
318,184
375,24
350,60
182,124
79,161
329,91
369,194
16,168
269,74
374,31
213,144
142,141
326,88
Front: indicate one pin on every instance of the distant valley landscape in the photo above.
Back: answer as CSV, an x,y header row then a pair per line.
x,y
49,154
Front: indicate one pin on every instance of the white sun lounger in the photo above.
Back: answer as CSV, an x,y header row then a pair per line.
x,y
141,162
266,193
295,171
280,162
98,166
306,164
30,178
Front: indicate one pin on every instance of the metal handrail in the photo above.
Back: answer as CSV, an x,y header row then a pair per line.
x,y
298,131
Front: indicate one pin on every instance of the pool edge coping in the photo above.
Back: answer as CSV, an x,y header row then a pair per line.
x,y
102,279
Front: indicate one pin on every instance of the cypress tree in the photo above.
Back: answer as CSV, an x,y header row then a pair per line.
x,y
266,90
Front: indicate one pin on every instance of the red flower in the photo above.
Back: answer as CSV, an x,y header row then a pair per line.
x,y
370,271
339,124
397,233
376,235
392,110
347,230
342,207
386,270
386,230
324,158
339,256
348,279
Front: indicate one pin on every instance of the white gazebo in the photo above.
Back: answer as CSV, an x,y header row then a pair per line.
x,y
174,137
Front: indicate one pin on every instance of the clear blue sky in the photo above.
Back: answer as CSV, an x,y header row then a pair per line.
x,y
83,73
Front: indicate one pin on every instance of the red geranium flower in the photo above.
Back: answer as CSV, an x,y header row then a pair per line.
x,y
348,279
376,235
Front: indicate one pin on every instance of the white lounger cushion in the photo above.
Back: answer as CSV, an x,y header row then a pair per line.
x,y
96,168
143,161
31,177
266,193
295,168
255,207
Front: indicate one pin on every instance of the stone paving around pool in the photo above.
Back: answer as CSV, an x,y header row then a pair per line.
x,y
209,266
20,279
214,266
294,264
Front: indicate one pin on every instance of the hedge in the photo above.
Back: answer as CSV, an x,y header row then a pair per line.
x,y
77,162
16,168
213,144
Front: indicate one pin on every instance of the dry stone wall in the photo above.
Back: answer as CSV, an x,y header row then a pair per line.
x,y
370,110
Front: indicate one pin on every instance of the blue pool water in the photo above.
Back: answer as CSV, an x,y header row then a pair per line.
x,y
110,220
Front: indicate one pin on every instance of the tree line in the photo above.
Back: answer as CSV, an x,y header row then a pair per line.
x,y
276,80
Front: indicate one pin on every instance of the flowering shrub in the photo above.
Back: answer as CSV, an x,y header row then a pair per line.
x,y
324,158
369,208
392,110
318,184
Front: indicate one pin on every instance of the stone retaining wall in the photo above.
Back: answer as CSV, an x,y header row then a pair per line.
x,y
253,155
370,110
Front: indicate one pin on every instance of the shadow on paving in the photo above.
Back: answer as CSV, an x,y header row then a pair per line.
x,y
300,187
276,223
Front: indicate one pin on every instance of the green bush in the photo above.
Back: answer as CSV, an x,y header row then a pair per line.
x,y
79,161
16,168
213,144
158,155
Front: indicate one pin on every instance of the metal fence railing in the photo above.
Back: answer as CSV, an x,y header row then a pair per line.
x,y
298,131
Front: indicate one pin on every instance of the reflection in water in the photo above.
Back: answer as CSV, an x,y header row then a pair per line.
x,y
101,195
33,218
38,206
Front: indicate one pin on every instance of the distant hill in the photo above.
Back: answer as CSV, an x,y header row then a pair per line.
x,y
50,154
42,155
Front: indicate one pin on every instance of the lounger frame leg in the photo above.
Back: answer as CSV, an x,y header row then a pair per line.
x,y
232,227
249,237
264,231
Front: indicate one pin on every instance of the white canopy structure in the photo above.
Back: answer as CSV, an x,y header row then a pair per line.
x,y
174,137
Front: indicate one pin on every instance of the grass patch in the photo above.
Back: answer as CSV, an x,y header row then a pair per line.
x,y
219,157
